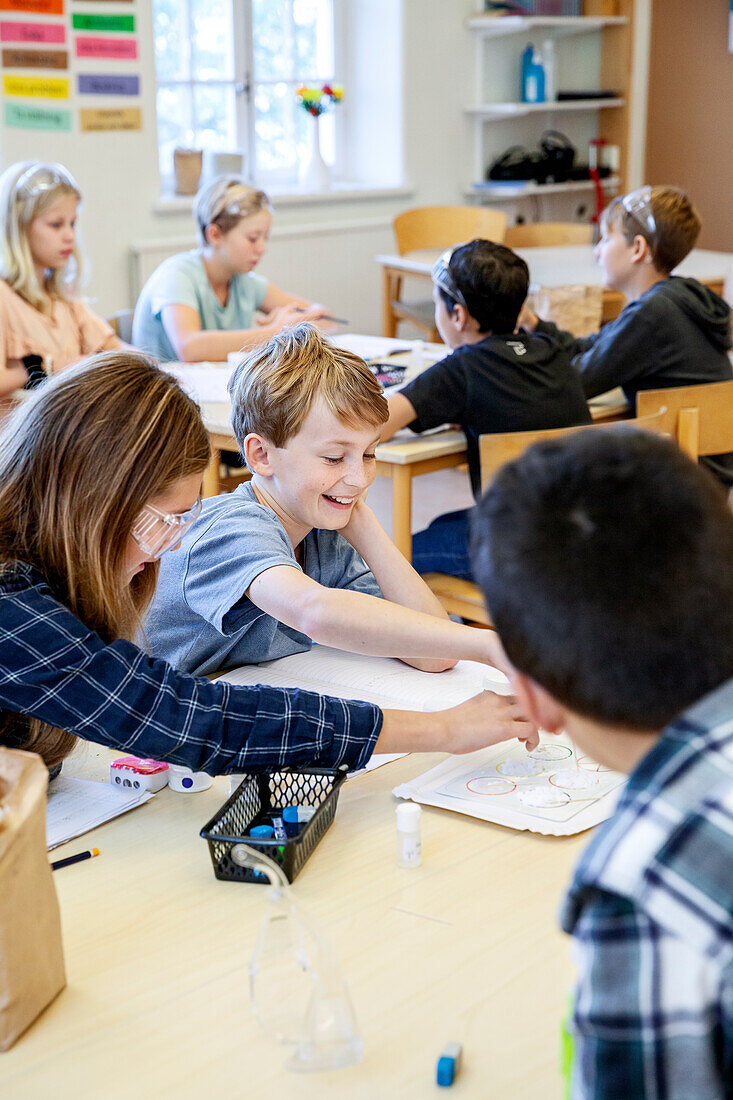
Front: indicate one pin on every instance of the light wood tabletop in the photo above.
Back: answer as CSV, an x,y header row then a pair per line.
x,y
465,947
548,266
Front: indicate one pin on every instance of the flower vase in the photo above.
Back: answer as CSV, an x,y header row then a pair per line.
x,y
315,174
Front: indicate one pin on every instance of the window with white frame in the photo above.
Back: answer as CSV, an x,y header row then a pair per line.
x,y
227,73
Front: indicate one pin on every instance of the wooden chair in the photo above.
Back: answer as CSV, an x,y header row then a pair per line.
x,y
547,234
460,597
438,227
700,417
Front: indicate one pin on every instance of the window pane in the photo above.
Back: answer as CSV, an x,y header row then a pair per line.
x,y
170,32
213,39
313,39
273,39
276,135
214,115
174,123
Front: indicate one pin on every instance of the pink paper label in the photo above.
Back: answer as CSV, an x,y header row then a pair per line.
x,y
32,32
124,49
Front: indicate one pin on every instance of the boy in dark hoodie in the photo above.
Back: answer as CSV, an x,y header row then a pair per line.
x,y
494,380
674,331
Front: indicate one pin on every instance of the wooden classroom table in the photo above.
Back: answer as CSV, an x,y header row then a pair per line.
x,y
548,266
405,457
465,947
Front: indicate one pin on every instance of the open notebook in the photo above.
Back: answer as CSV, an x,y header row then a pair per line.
x,y
389,683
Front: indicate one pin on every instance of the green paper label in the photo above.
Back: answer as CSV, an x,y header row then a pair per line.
x,y
103,22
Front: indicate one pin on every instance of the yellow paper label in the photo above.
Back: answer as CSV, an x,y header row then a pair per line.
x,y
110,118
40,87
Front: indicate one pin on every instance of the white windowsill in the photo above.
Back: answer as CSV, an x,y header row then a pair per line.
x,y
340,192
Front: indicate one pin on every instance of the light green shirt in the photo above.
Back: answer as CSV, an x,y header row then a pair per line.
x,y
182,281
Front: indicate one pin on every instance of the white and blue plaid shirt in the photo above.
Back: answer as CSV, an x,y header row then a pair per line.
x,y
54,668
650,909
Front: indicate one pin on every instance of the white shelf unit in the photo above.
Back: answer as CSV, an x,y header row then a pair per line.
x,y
599,59
508,192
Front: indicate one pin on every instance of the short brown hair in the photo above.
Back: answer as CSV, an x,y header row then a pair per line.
x,y
678,226
274,386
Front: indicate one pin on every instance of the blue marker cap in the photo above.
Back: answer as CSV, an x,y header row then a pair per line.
x,y
296,816
449,1064
264,832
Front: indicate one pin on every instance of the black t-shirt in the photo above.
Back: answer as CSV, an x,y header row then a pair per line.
x,y
502,384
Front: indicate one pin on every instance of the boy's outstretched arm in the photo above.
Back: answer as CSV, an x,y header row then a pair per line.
x,y
360,623
401,413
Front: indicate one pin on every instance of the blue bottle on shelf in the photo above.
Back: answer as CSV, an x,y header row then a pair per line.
x,y
533,76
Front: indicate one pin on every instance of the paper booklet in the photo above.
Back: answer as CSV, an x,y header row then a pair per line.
x,y
385,681
553,790
77,805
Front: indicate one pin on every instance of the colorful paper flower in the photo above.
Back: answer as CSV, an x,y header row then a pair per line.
x,y
317,99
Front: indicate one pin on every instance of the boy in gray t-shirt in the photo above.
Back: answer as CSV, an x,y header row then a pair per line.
x,y
296,555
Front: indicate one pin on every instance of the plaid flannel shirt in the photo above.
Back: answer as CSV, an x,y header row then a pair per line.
x,y
55,669
651,912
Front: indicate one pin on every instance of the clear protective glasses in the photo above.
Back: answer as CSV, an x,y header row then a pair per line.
x,y
443,279
155,531
43,177
639,204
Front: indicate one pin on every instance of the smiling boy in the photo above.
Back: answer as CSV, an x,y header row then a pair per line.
x,y
296,555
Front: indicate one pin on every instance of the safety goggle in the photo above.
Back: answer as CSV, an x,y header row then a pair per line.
x,y
639,204
43,177
156,531
443,279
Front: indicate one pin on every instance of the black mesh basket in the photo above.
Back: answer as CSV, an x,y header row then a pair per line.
x,y
258,797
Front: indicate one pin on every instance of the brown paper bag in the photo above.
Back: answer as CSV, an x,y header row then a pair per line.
x,y
575,308
31,955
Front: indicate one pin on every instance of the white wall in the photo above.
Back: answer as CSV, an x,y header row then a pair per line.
x,y
118,175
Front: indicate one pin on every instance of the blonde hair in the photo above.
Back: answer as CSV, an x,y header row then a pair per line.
x,y
225,202
677,225
18,209
78,461
274,386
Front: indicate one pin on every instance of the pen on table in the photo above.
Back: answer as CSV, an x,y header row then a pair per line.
x,y
74,859
326,317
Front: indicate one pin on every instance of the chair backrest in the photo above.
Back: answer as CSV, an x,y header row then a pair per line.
x,y
501,447
121,323
700,417
547,234
443,226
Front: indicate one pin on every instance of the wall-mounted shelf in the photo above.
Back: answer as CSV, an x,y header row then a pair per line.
x,y
498,26
493,112
511,192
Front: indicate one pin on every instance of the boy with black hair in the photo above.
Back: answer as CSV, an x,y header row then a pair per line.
x,y
674,331
606,562
494,380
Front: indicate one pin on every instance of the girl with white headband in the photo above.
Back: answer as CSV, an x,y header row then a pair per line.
x,y
201,305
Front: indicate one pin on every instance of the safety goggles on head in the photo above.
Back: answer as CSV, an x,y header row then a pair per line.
x,y
639,204
443,279
43,177
156,531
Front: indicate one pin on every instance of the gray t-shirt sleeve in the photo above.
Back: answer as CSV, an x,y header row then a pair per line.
x,y
227,555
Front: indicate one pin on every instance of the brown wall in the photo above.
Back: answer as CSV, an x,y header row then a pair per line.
x,y
690,117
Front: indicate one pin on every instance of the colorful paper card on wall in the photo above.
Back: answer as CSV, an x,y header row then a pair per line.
x,y
118,49
24,116
35,59
43,87
108,84
110,118
35,7
38,33
124,23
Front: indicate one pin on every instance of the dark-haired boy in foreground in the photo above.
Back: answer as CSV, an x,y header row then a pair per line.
x,y
606,560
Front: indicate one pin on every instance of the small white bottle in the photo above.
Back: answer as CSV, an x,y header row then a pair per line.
x,y
548,62
409,844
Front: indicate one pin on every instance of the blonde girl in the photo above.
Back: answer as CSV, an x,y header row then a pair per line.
x,y
202,304
100,473
40,314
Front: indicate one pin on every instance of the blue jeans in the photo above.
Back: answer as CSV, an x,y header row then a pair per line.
x,y
443,546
